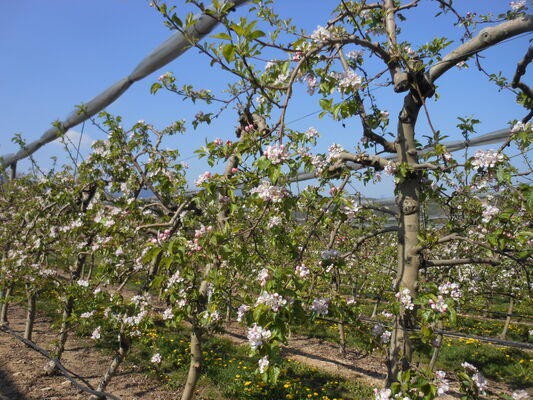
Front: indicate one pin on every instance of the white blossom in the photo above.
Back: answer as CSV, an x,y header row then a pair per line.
x,y
488,212
263,364
320,34
274,300
266,191
485,159
168,314
320,305
518,5
274,221
276,153
404,296
243,309
439,305
302,271
96,334
256,335
83,283
382,394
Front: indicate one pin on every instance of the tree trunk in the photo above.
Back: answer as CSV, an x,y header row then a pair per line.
x,y
436,349
30,313
81,259
195,365
376,306
228,311
503,335
51,367
5,305
408,200
123,348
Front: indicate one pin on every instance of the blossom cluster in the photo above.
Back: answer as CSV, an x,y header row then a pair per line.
x,y
257,335
263,277
320,305
243,309
488,212
273,300
263,364
276,153
384,335
302,271
478,379
266,191
202,178
452,289
485,159
442,383
330,254
390,168
438,305
404,296
334,152
347,80
320,34
518,5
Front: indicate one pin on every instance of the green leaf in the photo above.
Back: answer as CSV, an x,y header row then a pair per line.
x,y
155,87
221,35
229,52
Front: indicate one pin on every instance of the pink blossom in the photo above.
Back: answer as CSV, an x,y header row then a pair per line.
x,y
202,178
276,153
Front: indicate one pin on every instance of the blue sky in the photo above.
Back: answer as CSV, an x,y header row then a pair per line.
x,y
57,54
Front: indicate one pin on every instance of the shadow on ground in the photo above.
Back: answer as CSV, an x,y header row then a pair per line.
x,y
8,389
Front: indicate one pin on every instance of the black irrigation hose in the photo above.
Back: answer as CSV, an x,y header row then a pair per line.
x,y
501,342
500,313
71,376
528,316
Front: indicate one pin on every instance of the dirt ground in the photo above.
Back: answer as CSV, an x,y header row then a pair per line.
x,y
22,376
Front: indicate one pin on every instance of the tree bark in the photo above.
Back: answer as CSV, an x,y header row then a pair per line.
x,y
376,306
436,350
503,335
30,313
5,305
123,348
196,363
51,367
408,200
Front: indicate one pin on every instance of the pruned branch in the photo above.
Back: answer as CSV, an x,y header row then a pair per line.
x,y
520,71
460,261
362,159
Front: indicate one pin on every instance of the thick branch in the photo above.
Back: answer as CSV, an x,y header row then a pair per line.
x,y
362,159
520,71
460,261
487,37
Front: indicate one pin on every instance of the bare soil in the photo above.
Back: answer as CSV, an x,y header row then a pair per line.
x,y
22,369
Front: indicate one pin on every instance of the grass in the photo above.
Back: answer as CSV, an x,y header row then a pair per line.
x,y
229,373
509,365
